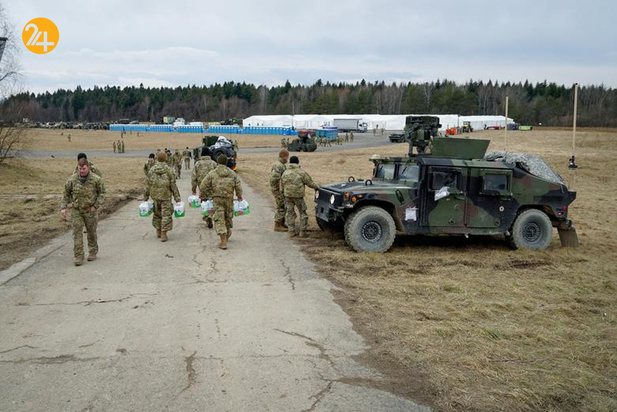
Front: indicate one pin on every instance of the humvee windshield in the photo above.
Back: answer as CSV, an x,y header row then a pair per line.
x,y
409,173
385,172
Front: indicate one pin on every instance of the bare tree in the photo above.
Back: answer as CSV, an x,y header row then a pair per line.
x,y
12,138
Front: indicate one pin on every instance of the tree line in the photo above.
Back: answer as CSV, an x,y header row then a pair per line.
x,y
547,103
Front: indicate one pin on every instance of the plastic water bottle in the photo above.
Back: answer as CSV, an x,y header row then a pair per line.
x,y
207,208
144,209
194,201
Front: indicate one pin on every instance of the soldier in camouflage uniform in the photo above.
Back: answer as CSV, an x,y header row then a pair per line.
x,y
148,165
220,185
114,146
177,163
275,186
293,181
186,154
161,187
200,170
85,190
93,169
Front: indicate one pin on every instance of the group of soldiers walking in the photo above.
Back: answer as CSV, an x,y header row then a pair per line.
x,y
118,146
85,191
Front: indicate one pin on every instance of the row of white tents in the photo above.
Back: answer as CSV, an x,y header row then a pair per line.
x,y
388,122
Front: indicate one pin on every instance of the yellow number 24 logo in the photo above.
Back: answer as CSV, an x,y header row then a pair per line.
x,y
40,35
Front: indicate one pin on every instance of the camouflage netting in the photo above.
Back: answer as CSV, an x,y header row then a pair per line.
x,y
533,164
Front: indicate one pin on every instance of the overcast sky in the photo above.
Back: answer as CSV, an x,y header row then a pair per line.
x,y
112,42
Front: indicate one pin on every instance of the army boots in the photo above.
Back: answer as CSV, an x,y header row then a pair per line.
x,y
303,234
164,236
228,233
158,233
91,257
79,261
278,226
223,242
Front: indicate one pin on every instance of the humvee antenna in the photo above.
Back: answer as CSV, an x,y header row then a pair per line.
x,y
505,129
573,164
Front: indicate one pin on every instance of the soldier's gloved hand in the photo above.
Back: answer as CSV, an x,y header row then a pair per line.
x,y
194,192
63,213
92,209
240,198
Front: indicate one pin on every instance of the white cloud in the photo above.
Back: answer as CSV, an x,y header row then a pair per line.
x,y
194,42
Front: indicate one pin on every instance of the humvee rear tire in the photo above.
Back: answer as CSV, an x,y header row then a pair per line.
x,y
370,229
532,229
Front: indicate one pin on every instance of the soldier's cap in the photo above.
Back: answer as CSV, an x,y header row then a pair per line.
x,y
205,151
151,156
222,159
284,153
161,157
81,156
294,159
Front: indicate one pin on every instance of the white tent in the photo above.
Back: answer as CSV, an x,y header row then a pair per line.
x,y
389,122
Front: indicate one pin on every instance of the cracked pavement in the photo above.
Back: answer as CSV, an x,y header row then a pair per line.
x,y
180,326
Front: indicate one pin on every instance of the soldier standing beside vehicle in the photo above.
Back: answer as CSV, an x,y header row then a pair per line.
x,y
275,186
293,182
85,190
161,187
200,170
220,185
187,158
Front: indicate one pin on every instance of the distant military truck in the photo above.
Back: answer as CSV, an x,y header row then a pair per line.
x,y
217,147
456,190
417,128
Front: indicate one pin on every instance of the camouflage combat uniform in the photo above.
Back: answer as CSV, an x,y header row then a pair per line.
x,y
93,169
220,185
84,193
187,159
293,181
275,186
161,187
200,171
177,164
148,166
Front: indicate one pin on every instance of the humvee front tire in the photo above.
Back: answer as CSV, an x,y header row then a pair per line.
x,y
532,229
370,229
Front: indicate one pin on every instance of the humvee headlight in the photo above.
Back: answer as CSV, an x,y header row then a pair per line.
x,y
332,198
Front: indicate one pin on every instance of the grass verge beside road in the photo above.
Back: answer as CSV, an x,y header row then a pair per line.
x,y
31,195
470,324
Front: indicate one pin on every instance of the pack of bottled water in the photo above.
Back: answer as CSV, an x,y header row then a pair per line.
x,y
145,209
241,208
194,201
179,210
207,208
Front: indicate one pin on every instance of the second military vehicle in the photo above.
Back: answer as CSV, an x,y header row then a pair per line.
x,y
305,142
455,190
218,145
417,128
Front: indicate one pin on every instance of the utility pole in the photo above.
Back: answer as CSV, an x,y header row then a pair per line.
x,y
505,129
573,164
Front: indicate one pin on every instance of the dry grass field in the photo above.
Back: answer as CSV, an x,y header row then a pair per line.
x,y
31,194
57,140
469,324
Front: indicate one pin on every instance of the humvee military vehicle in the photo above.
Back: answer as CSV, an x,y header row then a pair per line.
x,y
417,128
455,190
218,147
